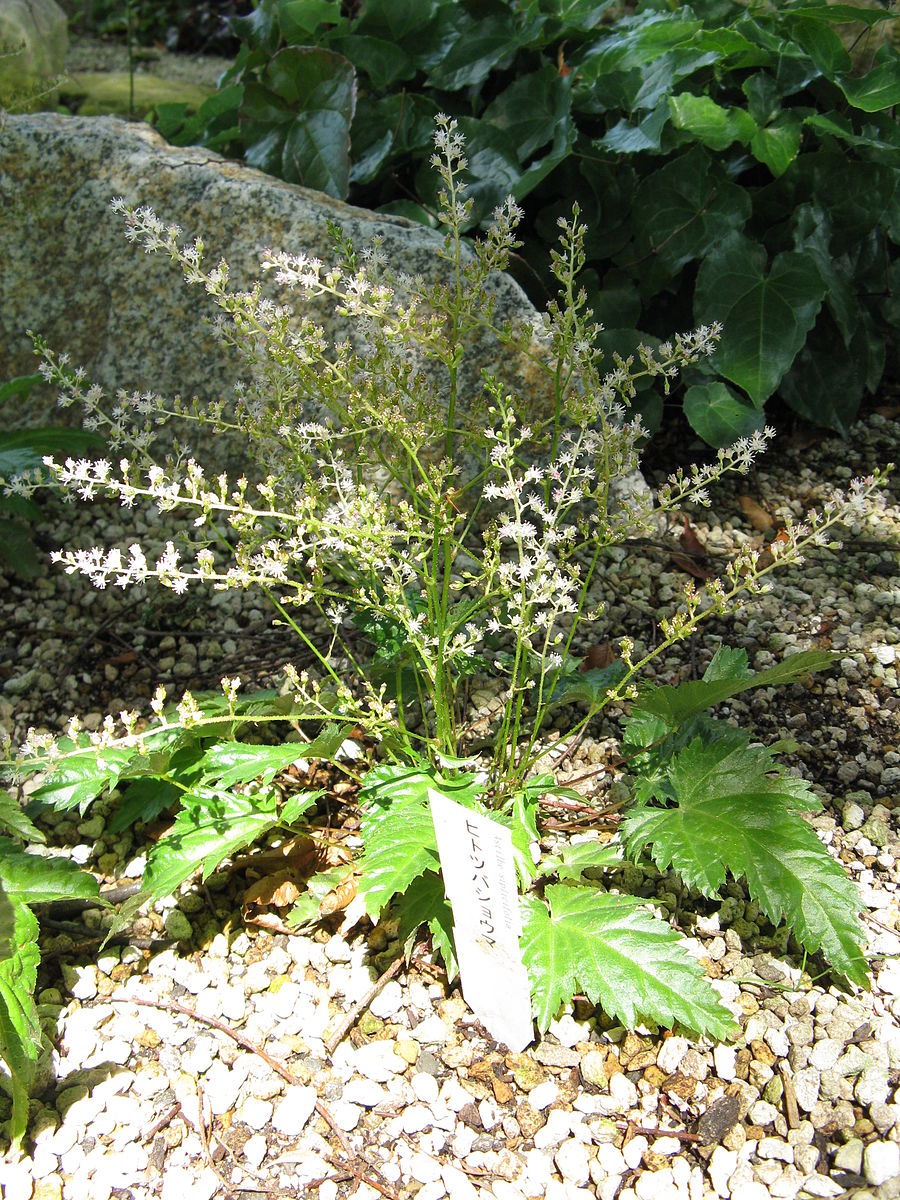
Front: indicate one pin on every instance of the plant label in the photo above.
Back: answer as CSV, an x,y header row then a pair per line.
x,y
480,883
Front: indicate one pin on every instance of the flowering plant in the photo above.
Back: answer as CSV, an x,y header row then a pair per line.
x,y
457,534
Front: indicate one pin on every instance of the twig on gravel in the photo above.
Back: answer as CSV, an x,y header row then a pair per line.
x,y
279,1068
791,1111
204,1142
361,1176
632,1130
867,916
215,1023
163,1121
361,1005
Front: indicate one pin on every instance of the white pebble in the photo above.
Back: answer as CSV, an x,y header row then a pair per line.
x,y
294,1110
255,1113
721,1167
724,1059
416,1118
388,1002
424,1168
881,1162
255,1149
671,1053
633,1151
543,1095
379,1061
425,1087
572,1161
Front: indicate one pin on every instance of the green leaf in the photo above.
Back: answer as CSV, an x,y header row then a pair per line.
x,y
718,415
17,549
573,859
778,144
812,236
297,126
636,41
709,122
384,62
397,831
227,763
80,779
23,450
20,1028
212,825
260,28
298,19
586,687
397,20
825,385
732,814
531,110
820,42
425,903
34,879
481,45
883,136
683,211
20,387
620,956
676,704
627,138
296,806
144,800
879,88
7,924
766,315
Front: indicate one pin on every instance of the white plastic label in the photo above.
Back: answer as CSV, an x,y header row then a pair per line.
x,y
480,882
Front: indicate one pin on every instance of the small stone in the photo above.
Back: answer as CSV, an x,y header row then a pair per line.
x,y
593,1070
556,1056
763,1113
337,950
294,1110
721,1167
178,927
724,1061
526,1072
775,1148
825,1053
572,1162
721,1116
852,816
849,1156
81,982
346,1116
543,1095
634,1150
671,1053
623,1094
255,1113
881,1162
872,1087
408,1050
388,1002
806,1088
379,1061
425,1087
529,1120
255,1149
424,1169
416,1118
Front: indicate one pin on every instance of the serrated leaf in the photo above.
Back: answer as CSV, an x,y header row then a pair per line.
x,y
7,923
144,800
718,415
766,314
620,956
212,825
80,779
676,704
425,903
14,820
398,833
34,879
573,859
731,815
20,1028
228,763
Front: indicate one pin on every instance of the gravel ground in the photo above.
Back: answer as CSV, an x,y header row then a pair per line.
x,y
143,1100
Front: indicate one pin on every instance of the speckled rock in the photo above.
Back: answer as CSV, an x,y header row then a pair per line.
x,y
125,316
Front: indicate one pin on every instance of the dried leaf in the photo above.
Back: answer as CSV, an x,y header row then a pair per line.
x,y
598,657
279,890
686,562
719,1118
341,896
757,516
690,542
766,557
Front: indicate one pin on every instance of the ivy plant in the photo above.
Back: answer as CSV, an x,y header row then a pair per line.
x,y
734,160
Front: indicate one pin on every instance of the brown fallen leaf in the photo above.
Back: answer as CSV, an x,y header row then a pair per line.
x,y
888,410
766,557
757,516
690,542
597,657
687,562
279,890
340,897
